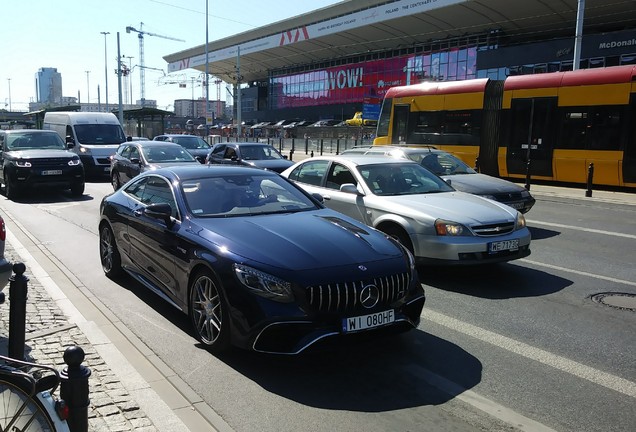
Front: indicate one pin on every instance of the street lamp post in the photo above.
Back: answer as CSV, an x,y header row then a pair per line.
x,y
88,89
9,79
106,67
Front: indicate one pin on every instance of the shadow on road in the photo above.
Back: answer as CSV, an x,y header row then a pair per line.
x,y
377,375
542,233
498,281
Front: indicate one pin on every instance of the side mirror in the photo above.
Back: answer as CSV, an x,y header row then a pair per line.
x,y
69,140
135,161
448,181
318,197
129,138
349,188
70,145
161,211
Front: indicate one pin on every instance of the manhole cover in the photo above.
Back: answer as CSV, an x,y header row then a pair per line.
x,y
623,301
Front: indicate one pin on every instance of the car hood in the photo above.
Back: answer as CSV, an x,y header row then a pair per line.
x,y
285,241
39,154
459,207
278,165
482,184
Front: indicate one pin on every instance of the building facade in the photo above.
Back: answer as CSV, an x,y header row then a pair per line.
x,y
338,60
48,86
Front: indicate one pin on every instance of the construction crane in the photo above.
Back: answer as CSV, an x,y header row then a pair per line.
x,y
141,56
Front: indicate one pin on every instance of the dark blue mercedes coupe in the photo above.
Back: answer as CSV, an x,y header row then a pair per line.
x,y
255,261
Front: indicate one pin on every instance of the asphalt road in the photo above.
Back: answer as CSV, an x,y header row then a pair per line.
x,y
519,346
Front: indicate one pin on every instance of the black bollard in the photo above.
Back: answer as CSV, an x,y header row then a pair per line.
x,y
74,389
17,311
528,175
477,164
312,153
291,154
590,176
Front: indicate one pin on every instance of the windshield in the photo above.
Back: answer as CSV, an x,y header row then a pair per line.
x,y
401,179
191,142
259,152
244,194
31,141
442,163
157,153
99,134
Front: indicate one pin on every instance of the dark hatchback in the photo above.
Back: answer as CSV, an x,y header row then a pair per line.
x,y
31,158
255,261
253,154
197,146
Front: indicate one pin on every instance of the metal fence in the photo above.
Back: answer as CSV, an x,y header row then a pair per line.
x,y
302,145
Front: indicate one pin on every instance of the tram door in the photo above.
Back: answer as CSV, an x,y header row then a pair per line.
x,y
532,120
400,123
629,153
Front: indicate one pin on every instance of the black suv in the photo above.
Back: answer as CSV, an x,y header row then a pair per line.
x,y
31,157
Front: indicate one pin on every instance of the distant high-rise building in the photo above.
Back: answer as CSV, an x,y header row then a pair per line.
x,y
48,86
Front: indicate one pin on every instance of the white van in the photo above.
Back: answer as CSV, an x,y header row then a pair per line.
x,y
96,136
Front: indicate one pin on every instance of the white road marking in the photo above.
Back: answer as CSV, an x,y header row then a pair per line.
x,y
493,409
578,272
577,369
590,230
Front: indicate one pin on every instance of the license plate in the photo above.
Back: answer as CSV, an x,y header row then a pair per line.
x,y
505,245
364,322
52,172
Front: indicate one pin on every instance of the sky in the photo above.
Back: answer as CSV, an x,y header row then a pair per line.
x,y
67,35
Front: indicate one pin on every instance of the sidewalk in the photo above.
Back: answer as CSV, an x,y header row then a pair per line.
x,y
121,399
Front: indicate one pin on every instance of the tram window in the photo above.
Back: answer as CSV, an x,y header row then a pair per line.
x,y
573,130
604,128
593,128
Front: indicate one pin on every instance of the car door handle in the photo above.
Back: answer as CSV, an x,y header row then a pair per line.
x,y
138,213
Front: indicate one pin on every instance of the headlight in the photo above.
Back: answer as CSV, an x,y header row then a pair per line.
x,y
23,164
521,221
448,228
491,197
264,284
74,162
84,150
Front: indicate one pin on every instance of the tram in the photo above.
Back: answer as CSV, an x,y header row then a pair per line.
x,y
552,126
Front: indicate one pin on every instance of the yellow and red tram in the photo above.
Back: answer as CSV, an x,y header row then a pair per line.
x,y
561,122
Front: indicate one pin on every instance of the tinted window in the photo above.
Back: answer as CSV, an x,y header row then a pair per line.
x,y
311,172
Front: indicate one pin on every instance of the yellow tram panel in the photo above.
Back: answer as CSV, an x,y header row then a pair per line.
x,y
573,166
605,94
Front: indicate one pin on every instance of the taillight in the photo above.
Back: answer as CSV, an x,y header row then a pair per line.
x,y
61,409
3,230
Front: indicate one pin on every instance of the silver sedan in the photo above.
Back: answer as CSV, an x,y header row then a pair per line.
x,y
437,223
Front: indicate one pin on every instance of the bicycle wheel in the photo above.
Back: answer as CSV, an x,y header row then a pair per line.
x,y
19,412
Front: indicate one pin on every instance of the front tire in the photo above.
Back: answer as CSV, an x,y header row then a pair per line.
x,y
108,252
11,191
400,235
115,181
77,189
209,312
